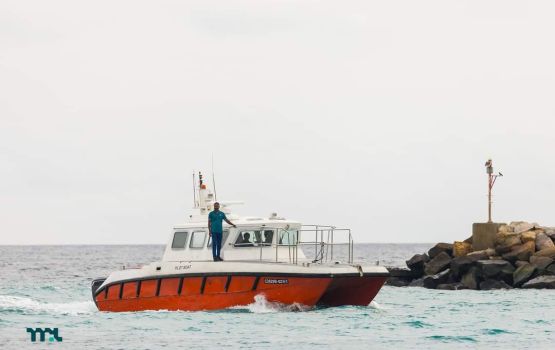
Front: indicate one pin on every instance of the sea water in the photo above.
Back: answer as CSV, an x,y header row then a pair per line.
x,y
49,286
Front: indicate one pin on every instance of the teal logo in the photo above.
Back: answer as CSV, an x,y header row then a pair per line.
x,y
42,334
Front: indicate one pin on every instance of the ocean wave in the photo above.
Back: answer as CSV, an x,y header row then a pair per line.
x,y
417,324
449,338
495,331
11,303
262,305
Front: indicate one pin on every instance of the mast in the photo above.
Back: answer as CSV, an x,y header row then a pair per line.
x,y
205,196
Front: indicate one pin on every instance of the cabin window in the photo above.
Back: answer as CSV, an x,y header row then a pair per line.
x,y
225,234
267,237
288,237
246,238
197,239
179,240
254,238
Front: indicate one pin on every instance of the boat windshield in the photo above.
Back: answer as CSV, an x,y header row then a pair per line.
x,y
254,238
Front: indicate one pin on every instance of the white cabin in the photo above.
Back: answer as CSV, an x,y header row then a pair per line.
x,y
254,238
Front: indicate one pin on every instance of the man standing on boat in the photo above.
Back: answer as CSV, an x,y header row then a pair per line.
x,y
215,230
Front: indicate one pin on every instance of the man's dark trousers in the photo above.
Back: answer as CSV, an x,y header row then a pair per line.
x,y
216,244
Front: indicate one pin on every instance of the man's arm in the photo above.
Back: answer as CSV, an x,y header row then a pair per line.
x,y
229,222
209,227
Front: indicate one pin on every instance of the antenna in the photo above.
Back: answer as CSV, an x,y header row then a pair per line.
x,y
214,180
194,191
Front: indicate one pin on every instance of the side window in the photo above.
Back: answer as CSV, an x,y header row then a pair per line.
x,y
197,239
225,234
267,237
257,237
287,237
179,240
246,238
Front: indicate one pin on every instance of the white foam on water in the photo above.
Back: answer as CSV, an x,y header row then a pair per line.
x,y
10,302
262,305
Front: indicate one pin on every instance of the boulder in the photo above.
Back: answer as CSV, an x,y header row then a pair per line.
x,y
520,227
402,272
416,263
486,252
526,251
549,252
521,252
543,242
433,281
493,268
523,274
506,243
461,265
541,282
550,270
461,248
550,231
437,264
541,262
450,286
520,263
506,229
490,284
440,248
528,236
417,282
397,282
471,279
506,274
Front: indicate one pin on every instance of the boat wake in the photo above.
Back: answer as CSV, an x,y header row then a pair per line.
x,y
261,305
10,303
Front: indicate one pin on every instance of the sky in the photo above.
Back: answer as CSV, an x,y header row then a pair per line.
x,y
372,115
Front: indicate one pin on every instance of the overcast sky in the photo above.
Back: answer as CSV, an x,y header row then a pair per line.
x,y
375,115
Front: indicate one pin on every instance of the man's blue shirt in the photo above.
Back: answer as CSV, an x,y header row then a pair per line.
x,y
216,218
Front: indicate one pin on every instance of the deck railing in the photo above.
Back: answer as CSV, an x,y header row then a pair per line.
x,y
321,238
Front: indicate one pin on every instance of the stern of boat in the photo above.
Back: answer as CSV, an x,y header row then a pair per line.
x,y
358,290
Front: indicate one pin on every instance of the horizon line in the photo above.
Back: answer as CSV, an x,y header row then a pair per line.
x,y
163,244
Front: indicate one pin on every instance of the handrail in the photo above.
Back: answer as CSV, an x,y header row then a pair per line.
x,y
323,248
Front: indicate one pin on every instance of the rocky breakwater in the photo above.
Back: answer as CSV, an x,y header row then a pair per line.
x,y
523,257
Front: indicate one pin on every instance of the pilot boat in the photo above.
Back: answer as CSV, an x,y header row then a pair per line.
x,y
279,259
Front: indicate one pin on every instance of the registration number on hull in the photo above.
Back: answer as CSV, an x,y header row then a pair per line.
x,y
276,281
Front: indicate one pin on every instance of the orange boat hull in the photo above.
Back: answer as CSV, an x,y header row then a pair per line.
x,y
194,293
352,290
